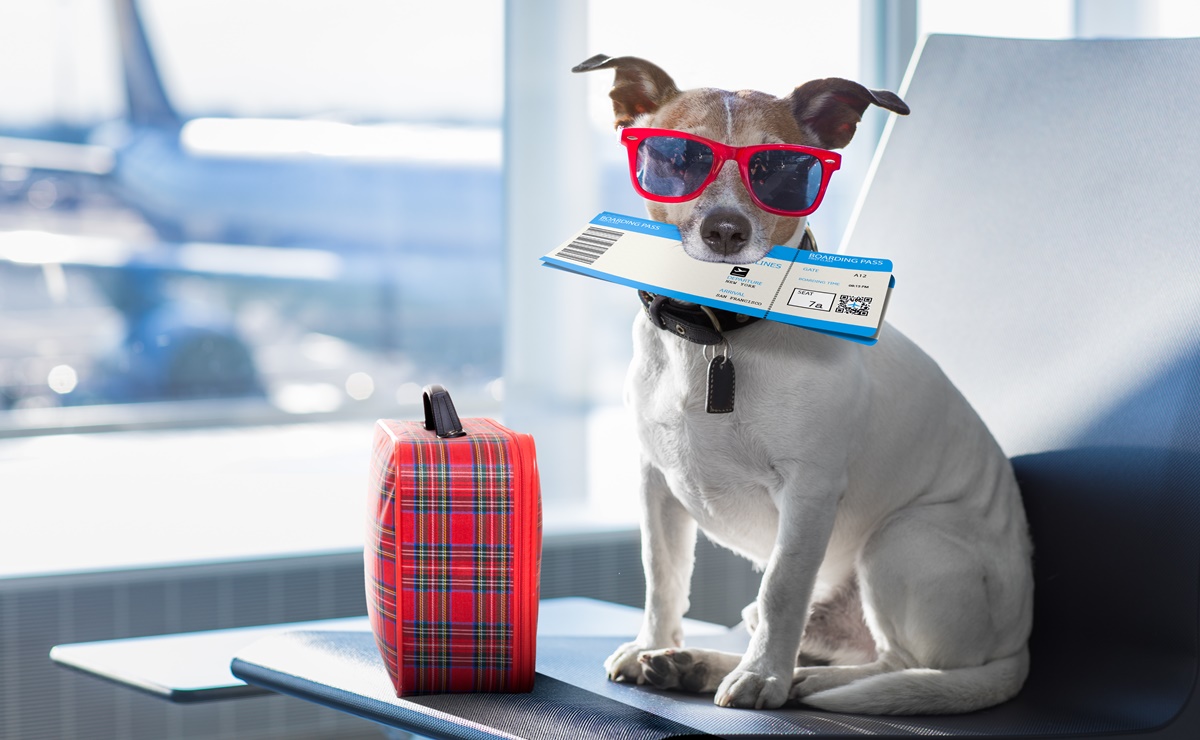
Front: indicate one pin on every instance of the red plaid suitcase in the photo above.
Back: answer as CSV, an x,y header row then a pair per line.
x,y
453,554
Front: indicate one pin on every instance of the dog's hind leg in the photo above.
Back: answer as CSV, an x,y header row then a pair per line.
x,y
836,632
808,680
949,603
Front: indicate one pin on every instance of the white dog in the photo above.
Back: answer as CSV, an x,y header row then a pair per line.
x,y
888,521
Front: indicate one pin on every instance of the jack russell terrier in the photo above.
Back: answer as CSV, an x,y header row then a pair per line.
x,y
887,519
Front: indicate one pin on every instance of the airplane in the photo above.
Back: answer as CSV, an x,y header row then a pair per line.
x,y
395,227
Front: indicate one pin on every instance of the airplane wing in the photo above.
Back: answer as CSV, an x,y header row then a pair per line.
x,y
40,154
32,247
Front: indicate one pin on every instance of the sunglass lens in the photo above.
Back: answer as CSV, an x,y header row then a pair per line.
x,y
785,180
672,167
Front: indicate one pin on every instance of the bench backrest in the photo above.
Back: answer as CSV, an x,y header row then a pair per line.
x,y
1042,208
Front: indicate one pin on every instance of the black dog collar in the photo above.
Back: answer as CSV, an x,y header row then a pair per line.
x,y
691,321
707,326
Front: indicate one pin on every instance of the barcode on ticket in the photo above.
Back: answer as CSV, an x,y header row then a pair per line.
x,y
590,245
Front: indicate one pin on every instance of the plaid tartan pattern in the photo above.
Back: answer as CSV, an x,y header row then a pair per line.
x,y
440,558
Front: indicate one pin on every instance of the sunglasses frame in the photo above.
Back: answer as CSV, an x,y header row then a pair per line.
x,y
631,138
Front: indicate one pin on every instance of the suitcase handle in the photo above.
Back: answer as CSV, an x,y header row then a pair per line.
x,y
440,415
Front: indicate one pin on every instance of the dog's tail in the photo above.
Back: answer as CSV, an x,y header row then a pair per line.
x,y
928,691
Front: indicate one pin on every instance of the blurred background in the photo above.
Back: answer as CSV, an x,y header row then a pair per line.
x,y
235,232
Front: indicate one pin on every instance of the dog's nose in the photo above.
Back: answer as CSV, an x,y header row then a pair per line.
x,y
726,232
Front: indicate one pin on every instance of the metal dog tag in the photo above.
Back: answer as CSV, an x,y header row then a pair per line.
x,y
720,385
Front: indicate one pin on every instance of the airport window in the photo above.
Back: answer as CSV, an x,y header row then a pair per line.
x,y
1060,19
232,234
246,203
1020,18
235,232
274,199
719,61
69,69
334,60
230,214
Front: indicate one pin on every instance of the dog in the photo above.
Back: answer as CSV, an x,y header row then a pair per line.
x,y
896,557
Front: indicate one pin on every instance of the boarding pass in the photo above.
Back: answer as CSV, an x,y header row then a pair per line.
x,y
834,294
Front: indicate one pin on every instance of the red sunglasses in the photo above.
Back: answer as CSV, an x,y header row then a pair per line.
x,y
674,166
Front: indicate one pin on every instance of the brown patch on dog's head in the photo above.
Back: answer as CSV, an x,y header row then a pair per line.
x,y
830,109
743,118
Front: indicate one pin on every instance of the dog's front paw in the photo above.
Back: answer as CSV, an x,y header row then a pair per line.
x,y
623,665
680,669
751,690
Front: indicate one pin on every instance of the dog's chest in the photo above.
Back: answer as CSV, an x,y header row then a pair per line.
x,y
713,464
667,388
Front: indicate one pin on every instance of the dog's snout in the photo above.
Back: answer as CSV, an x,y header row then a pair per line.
x,y
725,232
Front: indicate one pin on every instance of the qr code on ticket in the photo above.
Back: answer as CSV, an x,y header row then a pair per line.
x,y
853,305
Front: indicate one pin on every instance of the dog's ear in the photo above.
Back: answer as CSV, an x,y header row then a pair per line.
x,y
639,87
830,109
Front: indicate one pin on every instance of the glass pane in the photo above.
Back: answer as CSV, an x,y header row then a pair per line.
x,y
1038,19
348,60
309,223
60,69
703,43
1174,17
